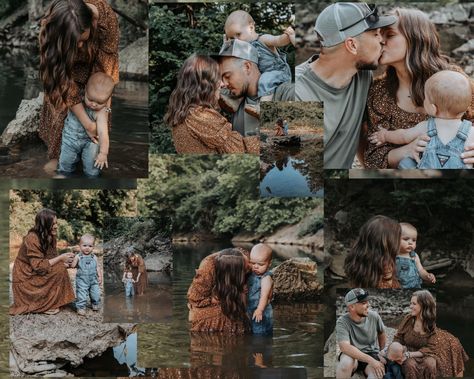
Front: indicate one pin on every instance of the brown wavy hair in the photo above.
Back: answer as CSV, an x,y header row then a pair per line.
x,y
61,28
423,57
428,309
44,221
198,80
230,270
373,252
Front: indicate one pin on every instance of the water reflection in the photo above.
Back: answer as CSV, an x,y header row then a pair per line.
x,y
155,305
128,154
297,339
292,171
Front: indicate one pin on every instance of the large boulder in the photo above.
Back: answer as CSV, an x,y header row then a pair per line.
x,y
42,344
134,60
296,279
26,122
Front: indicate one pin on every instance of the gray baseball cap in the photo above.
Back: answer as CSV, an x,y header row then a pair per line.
x,y
238,49
339,21
356,295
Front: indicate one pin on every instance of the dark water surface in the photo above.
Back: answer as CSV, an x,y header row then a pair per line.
x,y
297,340
128,153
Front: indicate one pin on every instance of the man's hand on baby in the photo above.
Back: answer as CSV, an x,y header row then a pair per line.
x,y
257,315
468,155
101,161
378,138
290,32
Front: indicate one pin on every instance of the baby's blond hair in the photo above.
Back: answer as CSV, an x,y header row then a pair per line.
x,y
102,85
241,17
450,91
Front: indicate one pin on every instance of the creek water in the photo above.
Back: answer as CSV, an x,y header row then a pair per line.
x,y
297,341
128,153
155,305
292,172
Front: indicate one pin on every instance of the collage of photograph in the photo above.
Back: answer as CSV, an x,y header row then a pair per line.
x,y
237,189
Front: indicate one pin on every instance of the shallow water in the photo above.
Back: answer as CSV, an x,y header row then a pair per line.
x,y
293,173
155,305
128,154
297,339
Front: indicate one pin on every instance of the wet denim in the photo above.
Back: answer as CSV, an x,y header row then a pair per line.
x,y
407,271
274,69
440,156
264,327
87,282
393,371
129,290
77,146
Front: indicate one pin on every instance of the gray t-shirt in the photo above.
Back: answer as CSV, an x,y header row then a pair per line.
x,y
248,125
362,335
343,112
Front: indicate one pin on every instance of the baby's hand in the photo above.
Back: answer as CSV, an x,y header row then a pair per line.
x,y
378,138
224,38
214,300
257,315
290,32
101,161
432,278
100,280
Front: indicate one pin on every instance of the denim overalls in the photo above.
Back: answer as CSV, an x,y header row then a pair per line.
x,y
129,290
274,68
264,327
87,281
76,146
407,272
438,155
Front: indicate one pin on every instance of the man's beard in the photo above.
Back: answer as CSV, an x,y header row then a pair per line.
x,y
362,314
367,66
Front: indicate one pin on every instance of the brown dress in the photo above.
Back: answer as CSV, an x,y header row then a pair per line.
x,y
383,111
37,286
444,355
205,314
206,131
139,268
105,48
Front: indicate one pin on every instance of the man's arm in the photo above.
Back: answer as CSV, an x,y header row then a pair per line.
x,y
382,338
103,132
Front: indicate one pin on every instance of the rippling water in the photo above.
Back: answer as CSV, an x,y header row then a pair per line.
x,y
297,340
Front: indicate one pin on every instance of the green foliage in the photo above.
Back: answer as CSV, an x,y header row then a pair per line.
x,y
132,228
179,30
215,194
315,224
78,211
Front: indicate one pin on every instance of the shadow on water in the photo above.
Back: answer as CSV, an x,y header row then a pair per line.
x,y
297,340
292,171
155,305
128,153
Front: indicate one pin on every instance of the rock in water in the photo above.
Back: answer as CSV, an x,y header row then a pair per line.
x,y
26,122
134,60
295,279
41,344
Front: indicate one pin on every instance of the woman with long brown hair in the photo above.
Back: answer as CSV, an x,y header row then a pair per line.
x,y
395,101
136,264
196,125
77,38
431,352
217,295
371,261
40,282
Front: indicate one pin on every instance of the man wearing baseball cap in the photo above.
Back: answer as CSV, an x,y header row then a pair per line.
x,y
340,76
360,334
240,74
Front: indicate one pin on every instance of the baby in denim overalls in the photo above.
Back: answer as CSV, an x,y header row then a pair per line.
x,y
88,276
129,281
410,271
260,287
76,144
394,355
448,96
272,63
